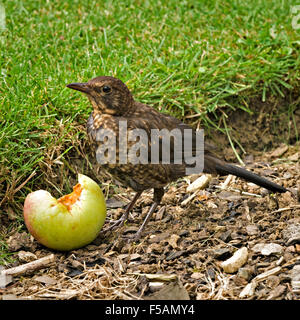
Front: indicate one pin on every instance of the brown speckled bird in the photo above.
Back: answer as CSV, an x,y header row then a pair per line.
x,y
113,102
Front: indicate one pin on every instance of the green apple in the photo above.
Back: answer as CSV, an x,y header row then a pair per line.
x,y
70,222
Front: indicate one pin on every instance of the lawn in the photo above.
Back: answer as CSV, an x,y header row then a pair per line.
x,y
188,58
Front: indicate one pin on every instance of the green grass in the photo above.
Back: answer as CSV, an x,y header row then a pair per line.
x,y
183,57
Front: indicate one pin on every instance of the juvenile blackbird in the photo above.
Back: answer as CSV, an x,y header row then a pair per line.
x,y
112,102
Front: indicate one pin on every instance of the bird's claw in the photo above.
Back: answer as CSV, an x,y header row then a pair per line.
x,y
115,224
132,238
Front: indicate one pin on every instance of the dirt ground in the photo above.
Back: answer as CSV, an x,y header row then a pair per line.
x,y
181,253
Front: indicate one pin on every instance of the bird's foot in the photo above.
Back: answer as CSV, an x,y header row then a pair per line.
x,y
138,234
115,224
118,223
133,237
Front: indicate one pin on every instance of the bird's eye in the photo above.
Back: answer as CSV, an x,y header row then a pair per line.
x,y
106,89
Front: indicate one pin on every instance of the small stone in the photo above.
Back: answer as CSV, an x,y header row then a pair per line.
x,y
291,234
244,273
26,256
252,229
238,259
267,249
156,286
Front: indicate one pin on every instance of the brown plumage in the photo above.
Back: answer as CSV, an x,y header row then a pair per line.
x,y
113,102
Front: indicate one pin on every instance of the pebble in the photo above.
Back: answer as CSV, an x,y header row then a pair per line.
x,y
244,273
155,286
267,249
26,256
238,259
252,229
291,234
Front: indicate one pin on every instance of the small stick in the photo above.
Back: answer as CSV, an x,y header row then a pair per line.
x,y
231,143
191,197
240,192
199,183
250,287
225,184
30,266
285,209
23,183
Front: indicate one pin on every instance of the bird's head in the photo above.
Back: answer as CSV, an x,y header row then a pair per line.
x,y
107,95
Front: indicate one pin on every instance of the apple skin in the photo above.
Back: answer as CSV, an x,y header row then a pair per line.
x,y
64,228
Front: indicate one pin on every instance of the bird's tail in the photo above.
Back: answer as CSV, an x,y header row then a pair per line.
x,y
225,169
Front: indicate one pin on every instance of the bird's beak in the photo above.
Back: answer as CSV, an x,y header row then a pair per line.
x,y
83,87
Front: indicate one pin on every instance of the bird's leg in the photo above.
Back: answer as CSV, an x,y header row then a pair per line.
x,y
158,194
124,217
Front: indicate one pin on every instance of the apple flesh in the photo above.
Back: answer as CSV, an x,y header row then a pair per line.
x,y
70,222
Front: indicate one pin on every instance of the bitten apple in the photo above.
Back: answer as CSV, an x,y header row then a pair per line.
x,y
69,222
